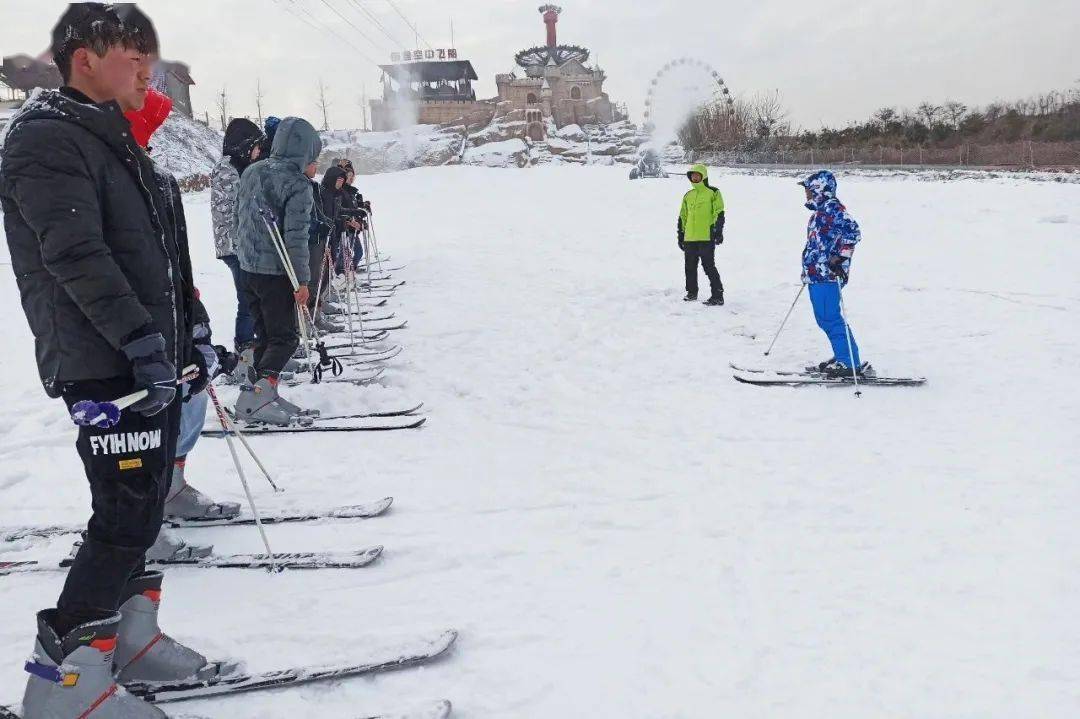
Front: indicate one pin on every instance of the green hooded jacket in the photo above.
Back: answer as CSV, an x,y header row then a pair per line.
x,y
701,207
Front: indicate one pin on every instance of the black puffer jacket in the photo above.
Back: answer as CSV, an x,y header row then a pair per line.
x,y
97,255
331,199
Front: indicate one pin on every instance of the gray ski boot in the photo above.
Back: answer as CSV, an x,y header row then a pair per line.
x,y
329,309
169,547
143,653
297,410
73,677
259,403
186,502
240,372
327,327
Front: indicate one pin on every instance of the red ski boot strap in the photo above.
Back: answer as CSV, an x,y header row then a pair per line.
x,y
143,652
99,701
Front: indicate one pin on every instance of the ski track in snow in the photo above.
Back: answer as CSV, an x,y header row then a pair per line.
x,y
615,526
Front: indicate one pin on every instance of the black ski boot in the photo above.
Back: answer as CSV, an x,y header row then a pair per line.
x,y
690,297
820,367
716,300
839,370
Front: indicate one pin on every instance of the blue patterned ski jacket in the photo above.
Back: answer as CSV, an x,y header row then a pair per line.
x,y
831,232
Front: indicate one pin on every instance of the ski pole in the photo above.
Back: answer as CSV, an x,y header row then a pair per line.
x,y
322,272
847,333
107,414
243,479
346,258
786,317
279,244
240,436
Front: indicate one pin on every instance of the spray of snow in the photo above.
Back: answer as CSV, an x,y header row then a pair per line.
x,y
406,115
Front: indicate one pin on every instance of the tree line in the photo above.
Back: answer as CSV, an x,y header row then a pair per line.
x,y
762,122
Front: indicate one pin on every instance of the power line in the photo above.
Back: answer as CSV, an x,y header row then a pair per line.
x,y
289,9
377,23
407,22
320,26
349,22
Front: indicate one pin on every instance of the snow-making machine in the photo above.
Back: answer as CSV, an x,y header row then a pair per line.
x,y
648,165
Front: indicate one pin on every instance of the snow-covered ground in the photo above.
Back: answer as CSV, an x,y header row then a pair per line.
x,y
616,527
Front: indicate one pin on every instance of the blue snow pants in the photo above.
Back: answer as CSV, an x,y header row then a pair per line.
x,y
825,299
192,416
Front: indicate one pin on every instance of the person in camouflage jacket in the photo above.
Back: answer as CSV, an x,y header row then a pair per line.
x,y
831,236
242,147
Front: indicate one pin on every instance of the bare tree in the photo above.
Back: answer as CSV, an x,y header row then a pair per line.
x,y
259,100
955,112
324,106
885,117
929,113
769,116
223,108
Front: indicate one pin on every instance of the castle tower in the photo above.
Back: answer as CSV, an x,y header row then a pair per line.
x,y
551,18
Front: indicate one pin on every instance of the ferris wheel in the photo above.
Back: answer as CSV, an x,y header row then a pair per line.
x,y
720,92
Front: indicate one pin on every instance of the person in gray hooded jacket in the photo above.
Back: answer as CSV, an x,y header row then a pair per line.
x,y
281,184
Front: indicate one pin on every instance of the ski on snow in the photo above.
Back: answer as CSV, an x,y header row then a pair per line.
x,y
437,710
358,380
370,332
289,560
355,511
394,413
411,653
360,357
372,425
769,378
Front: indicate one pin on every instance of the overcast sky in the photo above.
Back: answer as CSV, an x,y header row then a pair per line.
x,y
832,62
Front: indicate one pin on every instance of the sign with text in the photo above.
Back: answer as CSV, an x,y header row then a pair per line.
x,y
422,55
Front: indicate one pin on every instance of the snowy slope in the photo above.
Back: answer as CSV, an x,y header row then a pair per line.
x,y
616,527
185,147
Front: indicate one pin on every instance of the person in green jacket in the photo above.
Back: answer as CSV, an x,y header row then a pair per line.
x,y
701,229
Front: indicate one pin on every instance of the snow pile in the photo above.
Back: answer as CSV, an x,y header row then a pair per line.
x,y
376,152
501,143
186,148
506,153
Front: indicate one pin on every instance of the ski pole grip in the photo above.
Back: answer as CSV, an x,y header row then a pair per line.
x,y
128,400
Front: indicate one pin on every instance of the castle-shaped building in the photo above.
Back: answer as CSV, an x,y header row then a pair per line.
x,y
557,84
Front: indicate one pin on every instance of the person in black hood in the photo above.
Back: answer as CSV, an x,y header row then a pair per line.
x,y
242,147
106,286
327,225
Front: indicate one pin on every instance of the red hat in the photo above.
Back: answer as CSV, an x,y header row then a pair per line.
x,y
145,122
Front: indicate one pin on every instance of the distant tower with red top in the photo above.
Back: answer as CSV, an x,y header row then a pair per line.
x,y
551,19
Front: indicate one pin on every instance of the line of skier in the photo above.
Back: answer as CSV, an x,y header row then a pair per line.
x,y
103,268
322,226
832,234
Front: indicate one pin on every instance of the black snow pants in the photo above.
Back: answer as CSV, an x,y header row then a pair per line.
x,y
273,307
705,252
128,467
317,266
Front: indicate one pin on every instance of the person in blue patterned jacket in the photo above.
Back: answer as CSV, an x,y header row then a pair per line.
x,y
831,238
